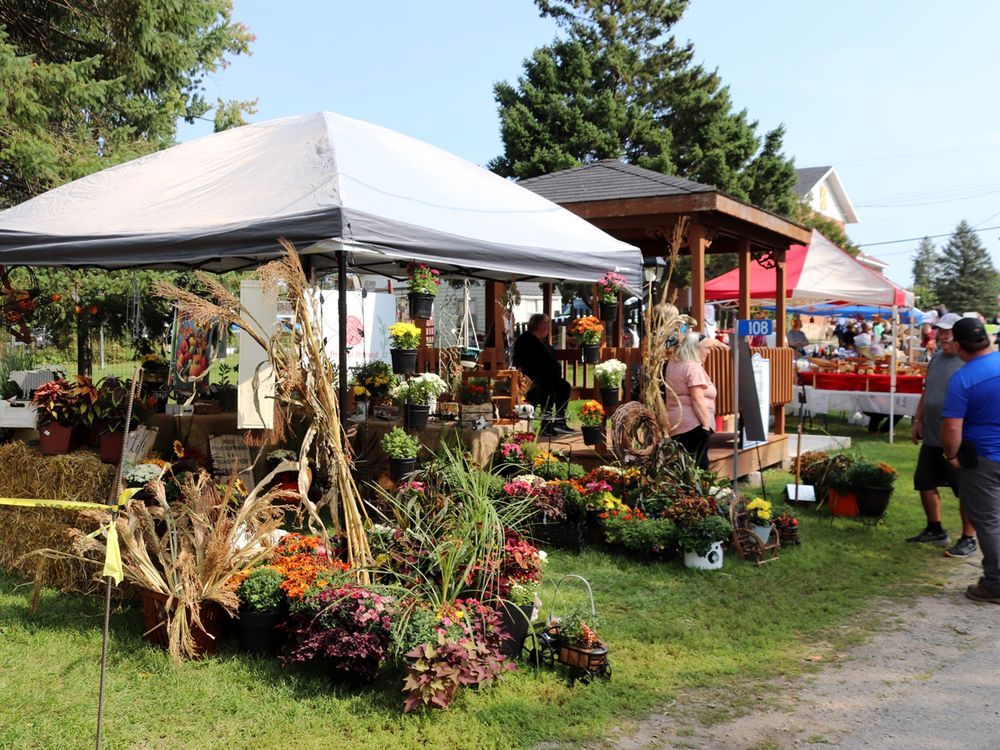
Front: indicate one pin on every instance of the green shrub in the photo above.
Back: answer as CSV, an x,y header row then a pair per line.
x,y
261,590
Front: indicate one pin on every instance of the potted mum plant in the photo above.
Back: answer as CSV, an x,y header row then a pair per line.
x,y
58,413
700,531
592,417
404,340
608,288
586,331
609,378
262,602
423,284
872,482
401,449
759,515
373,382
416,395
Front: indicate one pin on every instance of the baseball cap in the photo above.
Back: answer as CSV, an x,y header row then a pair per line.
x,y
970,331
947,321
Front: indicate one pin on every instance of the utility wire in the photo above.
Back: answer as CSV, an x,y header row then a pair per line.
x,y
917,239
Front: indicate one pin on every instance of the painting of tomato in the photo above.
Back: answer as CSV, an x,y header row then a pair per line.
x,y
195,348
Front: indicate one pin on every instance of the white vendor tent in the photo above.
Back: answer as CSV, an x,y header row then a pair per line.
x,y
327,183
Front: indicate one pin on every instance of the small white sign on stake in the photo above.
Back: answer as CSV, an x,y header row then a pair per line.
x,y
230,455
140,442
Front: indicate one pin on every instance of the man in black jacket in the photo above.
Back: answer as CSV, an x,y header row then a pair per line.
x,y
535,357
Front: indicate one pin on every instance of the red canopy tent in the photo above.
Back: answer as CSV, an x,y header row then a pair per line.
x,y
818,272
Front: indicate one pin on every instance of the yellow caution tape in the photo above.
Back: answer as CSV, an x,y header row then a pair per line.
x,y
113,555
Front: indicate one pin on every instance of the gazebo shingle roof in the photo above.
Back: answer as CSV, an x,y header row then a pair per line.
x,y
610,179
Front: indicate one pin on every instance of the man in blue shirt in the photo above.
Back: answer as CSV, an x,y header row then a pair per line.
x,y
970,436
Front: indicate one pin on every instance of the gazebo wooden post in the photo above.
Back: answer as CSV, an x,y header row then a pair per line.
x,y
780,292
421,323
547,305
495,323
743,307
620,322
696,245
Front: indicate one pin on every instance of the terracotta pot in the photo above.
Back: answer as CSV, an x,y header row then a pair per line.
x,y
55,439
154,623
843,504
111,446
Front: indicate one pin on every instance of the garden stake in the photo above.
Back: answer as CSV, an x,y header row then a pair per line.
x,y
108,579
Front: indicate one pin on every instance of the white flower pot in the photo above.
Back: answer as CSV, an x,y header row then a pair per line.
x,y
764,532
711,561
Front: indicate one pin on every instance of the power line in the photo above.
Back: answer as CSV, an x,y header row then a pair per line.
x,y
917,239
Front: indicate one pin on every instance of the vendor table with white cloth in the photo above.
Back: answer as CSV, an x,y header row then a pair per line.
x,y
823,401
29,380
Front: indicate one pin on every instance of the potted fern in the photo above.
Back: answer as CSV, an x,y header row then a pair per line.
x,y
401,449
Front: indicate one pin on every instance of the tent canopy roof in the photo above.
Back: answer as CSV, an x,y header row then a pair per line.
x,y
819,272
324,181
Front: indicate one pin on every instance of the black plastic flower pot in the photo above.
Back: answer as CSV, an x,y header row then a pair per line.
x,y
257,631
400,468
404,361
515,620
609,311
872,501
591,353
610,397
592,435
415,416
421,305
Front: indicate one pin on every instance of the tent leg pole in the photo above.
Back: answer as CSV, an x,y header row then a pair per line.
x,y
342,336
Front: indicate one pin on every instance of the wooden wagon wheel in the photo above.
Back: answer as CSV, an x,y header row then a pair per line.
x,y
635,433
748,545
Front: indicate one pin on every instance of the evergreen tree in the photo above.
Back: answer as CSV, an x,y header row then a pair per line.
x,y
86,84
619,85
965,278
925,267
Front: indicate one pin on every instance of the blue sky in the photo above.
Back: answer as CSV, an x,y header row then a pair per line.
x,y
899,96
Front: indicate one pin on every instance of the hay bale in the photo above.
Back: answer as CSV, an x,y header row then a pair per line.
x,y
24,472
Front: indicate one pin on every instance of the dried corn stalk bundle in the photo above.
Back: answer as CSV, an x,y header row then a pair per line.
x,y
662,326
306,383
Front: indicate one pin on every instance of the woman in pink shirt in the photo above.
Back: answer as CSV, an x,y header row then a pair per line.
x,y
690,399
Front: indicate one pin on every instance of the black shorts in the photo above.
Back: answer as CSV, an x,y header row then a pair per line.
x,y
933,471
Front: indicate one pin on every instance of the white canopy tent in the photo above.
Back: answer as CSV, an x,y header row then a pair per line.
x,y
327,183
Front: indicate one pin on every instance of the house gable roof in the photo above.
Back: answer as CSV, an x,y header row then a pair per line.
x,y
808,178
610,179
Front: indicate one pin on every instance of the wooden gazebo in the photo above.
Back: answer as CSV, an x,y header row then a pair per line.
x,y
642,207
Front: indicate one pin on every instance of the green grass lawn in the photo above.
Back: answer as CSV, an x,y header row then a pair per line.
x,y
669,630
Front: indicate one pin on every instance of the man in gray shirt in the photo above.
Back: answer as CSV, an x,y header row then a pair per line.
x,y
932,470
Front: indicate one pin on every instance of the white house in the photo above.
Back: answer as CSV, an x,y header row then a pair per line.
x,y
824,193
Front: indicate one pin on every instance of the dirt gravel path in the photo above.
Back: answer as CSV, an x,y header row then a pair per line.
x,y
928,680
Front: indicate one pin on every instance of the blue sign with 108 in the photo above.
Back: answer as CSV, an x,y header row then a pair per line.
x,y
754,327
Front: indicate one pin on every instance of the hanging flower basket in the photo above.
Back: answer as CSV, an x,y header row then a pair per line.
x,y
591,353
610,397
609,311
469,357
593,435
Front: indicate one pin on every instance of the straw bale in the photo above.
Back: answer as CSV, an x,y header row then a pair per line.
x,y
24,472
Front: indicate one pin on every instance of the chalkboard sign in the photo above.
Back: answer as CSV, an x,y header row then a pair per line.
x,y
230,455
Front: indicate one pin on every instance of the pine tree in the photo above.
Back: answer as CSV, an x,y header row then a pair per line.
x,y
84,84
965,278
925,267
619,85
